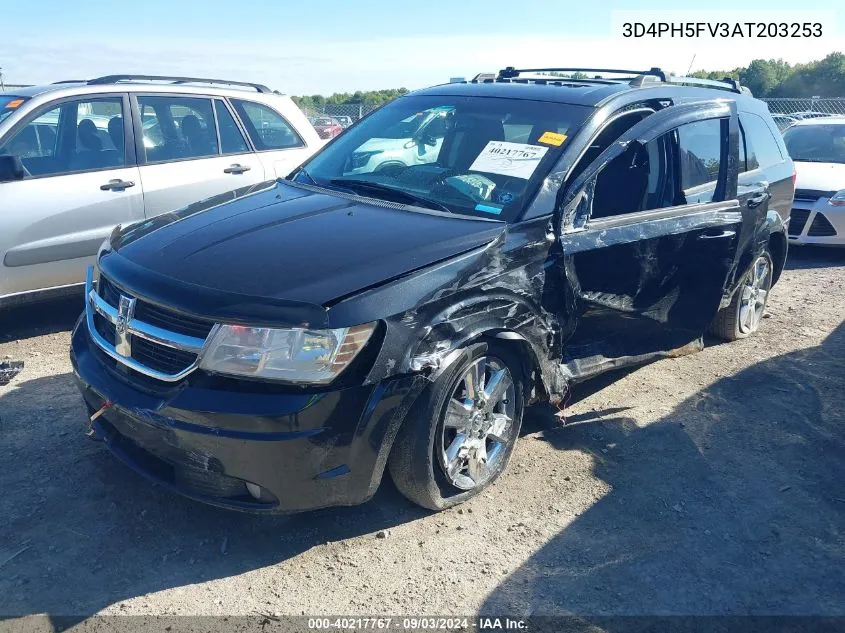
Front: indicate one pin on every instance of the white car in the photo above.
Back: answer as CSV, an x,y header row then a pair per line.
x,y
78,158
416,140
817,146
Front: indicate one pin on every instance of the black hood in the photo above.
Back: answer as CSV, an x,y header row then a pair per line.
x,y
285,243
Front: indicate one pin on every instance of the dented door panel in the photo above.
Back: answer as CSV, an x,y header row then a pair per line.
x,y
647,286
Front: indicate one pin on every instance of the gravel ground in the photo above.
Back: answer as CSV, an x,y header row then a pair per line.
x,y
708,484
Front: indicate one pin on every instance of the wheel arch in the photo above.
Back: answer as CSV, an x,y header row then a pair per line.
x,y
778,246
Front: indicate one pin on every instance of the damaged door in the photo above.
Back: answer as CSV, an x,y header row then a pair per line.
x,y
648,235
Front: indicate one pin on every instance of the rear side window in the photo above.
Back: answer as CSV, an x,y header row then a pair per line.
x,y
177,128
266,127
761,148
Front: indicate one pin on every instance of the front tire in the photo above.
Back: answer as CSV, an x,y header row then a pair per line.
x,y
742,317
462,430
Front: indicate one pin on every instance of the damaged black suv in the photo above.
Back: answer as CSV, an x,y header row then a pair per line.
x,y
395,304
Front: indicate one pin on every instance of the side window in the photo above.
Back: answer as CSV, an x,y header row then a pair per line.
x,y
761,147
700,154
679,167
75,136
266,127
231,139
639,179
177,128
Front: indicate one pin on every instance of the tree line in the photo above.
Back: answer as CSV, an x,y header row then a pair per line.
x,y
369,99
777,78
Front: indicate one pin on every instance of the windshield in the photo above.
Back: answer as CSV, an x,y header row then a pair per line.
x,y
8,104
479,156
818,143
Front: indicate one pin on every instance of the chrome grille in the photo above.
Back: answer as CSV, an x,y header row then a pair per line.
x,y
153,341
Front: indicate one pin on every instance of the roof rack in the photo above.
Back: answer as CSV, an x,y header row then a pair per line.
x,y
639,78
113,79
510,72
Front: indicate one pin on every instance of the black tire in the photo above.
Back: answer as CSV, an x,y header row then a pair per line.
x,y
728,324
414,465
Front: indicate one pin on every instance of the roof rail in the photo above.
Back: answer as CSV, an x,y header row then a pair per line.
x,y
69,81
113,79
511,72
728,83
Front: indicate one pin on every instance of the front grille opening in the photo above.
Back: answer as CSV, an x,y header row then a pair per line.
x,y
172,321
797,220
160,358
104,328
821,227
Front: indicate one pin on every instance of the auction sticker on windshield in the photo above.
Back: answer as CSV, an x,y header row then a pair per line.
x,y
509,159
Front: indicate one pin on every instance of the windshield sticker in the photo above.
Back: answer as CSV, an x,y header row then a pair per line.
x,y
552,138
488,208
509,159
505,197
14,104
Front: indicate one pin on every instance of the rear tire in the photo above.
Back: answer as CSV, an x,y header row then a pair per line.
x,y
742,317
459,435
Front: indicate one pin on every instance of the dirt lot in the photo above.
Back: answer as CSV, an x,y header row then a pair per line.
x,y
709,484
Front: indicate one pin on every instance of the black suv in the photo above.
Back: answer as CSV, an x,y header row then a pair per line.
x,y
276,348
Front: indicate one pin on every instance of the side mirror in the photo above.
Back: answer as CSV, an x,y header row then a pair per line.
x,y
11,168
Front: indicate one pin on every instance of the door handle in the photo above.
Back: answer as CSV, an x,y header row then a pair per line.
x,y
757,199
117,185
236,169
717,235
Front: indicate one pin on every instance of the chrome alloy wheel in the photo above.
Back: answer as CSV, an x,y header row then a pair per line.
x,y
478,424
755,290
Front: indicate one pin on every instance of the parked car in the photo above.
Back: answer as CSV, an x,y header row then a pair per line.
x,y
783,121
327,127
278,352
809,114
344,121
818,148
78,158
416,140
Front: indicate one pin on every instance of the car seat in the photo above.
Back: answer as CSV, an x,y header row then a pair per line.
x,y
195,135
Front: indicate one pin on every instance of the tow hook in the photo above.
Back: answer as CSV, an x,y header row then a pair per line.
x,y
92,433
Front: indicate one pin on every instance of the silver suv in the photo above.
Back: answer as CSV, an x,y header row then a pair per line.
x,y
78,158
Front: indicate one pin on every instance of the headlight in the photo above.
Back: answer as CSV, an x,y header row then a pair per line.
x,y
838,199
359,159
289,355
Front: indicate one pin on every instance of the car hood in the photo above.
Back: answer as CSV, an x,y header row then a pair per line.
x,y
819,176
287,244
383,145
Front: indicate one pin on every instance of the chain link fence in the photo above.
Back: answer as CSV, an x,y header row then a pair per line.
x,y
344,113
789,106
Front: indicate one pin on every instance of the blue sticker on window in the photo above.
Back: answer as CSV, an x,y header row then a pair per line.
x,y
505,197
488,208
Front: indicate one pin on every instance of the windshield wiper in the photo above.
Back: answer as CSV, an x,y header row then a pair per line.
x,y
367,185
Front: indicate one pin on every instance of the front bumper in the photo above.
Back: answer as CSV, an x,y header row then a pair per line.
x,y
816,222
208,439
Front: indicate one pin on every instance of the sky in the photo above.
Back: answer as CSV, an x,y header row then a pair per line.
x,y
328,46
